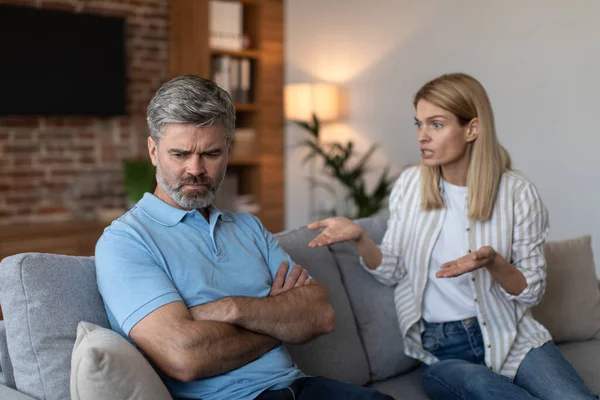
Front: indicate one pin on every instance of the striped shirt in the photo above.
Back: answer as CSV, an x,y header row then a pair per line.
x,y
517,230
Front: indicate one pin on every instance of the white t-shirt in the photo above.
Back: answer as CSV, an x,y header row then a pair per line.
x,y
450,299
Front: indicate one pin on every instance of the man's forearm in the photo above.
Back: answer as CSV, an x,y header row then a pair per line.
x,y
219,347
295,316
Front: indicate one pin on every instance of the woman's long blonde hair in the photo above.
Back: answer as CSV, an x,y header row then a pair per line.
x,y
465,97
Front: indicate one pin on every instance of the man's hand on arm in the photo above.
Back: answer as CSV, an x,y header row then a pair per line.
x,y
187,349
296,310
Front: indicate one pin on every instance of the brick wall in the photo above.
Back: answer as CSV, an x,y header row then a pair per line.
x,y
61,168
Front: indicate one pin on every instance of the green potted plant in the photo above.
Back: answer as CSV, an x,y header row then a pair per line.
x,y
343,163
140,177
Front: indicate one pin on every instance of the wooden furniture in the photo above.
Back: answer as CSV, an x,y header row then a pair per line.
x,y
262,174
76,238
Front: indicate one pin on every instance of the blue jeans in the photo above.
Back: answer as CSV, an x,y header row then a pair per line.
x,y
317,388
461,372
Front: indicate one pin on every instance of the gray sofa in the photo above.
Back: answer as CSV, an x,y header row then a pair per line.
x,y
45,296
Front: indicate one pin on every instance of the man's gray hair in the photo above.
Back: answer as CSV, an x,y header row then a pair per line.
x,y
189,99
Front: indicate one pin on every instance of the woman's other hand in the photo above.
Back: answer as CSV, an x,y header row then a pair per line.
x,y
335,230
483,257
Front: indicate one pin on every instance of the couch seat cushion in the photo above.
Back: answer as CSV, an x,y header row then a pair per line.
x,y
403,387
585,358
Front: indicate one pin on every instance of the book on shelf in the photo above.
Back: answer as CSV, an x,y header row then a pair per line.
x,y
226,25
234,75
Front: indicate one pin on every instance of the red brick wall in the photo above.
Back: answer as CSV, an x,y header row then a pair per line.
x,y
61,168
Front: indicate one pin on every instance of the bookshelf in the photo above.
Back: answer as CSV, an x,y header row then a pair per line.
x,y
259,173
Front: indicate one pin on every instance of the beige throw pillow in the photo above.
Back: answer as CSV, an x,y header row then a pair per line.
x,y
106,366
570,309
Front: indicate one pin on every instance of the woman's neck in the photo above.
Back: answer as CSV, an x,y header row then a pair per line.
x,y
456,172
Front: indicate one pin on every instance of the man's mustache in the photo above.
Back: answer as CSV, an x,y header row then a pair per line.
x,y
196,180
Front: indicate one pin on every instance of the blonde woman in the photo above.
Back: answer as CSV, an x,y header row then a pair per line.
x,y
464,247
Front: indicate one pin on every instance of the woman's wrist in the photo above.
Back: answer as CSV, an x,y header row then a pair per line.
x,y
496,261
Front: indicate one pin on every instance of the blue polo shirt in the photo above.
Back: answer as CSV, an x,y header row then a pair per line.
x,y
156,254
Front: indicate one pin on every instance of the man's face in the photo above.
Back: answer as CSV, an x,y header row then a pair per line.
x,y
190,164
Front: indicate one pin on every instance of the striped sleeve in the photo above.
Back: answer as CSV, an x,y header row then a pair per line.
x,y
392,268
530,229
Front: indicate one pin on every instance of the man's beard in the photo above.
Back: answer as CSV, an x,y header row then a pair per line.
x,y
191,198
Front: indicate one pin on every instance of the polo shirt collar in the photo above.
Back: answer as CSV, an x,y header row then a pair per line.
x,y
168,215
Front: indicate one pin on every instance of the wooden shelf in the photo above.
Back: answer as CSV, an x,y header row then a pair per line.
x,y
262,174
244,162
246,2
77,237
253,54
246,107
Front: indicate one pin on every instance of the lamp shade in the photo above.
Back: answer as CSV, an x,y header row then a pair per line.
x,y
302,100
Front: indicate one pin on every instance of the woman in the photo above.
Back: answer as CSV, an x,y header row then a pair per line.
x,y
464,247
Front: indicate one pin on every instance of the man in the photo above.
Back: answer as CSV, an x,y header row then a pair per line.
x,y
206,294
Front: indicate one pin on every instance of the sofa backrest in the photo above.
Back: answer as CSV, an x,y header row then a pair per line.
x,y
6,369
45,296
371,320
339,355
374,309
43,299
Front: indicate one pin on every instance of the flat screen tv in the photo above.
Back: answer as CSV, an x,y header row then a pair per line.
x,y
56,63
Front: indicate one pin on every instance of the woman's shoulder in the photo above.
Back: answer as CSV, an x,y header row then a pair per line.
x,y
517,183
409,174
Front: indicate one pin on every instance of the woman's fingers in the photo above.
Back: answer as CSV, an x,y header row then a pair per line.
x,y
448,264
322,239
318,224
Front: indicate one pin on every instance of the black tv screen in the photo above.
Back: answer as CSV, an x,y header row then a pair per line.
x,y
55,63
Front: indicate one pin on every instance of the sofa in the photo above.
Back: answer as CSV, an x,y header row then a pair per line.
x,y
44,298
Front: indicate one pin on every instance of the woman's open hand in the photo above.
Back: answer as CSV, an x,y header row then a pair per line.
x,y
483,257
335,230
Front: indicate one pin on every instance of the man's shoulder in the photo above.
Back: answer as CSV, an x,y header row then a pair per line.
x,y
128,226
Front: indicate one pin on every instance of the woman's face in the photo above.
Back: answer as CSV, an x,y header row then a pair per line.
x,y
442,139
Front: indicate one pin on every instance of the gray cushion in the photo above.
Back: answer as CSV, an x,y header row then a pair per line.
x,y
6,370
339,355
585,358
43,298
570,309
404,387
7,393
106,366
374,310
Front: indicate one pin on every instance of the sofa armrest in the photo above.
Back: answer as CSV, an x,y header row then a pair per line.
x,y
7,393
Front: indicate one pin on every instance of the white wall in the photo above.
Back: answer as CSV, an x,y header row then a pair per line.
x,y
538,59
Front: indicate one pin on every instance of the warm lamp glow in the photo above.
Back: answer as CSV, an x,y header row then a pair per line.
x,y
302,100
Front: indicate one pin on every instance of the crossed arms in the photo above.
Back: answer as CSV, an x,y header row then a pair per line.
x,y
217,337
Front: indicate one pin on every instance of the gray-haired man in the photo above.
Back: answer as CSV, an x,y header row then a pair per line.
x,y
207,295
